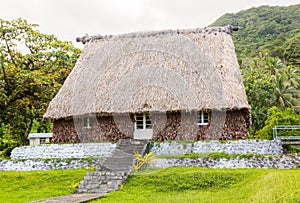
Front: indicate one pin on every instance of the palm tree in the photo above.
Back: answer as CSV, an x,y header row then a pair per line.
x,y
293,76
286,91
272,65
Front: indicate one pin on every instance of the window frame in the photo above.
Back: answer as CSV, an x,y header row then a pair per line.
x,y
146,126
86,122
202,116
43,140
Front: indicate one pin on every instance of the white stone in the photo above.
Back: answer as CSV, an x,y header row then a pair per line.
x,y
63,151
230,147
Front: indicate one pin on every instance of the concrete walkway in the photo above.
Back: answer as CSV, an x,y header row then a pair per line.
x,y
74,198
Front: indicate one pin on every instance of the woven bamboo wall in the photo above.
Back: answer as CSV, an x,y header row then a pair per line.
x,y
170,126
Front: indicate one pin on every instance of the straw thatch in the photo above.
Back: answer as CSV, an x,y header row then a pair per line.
x,y
171,70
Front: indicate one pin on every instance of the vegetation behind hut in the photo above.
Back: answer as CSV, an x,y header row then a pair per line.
x,y
267,45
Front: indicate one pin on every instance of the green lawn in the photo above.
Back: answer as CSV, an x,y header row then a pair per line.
x,y
188,185
33,185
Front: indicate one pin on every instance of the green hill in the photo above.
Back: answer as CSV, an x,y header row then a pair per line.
x,y
264,28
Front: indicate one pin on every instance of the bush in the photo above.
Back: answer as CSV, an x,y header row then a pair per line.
x,y
142,161
7,143
7,146
279,117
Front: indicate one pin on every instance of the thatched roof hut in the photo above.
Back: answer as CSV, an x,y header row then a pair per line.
x,y
158,71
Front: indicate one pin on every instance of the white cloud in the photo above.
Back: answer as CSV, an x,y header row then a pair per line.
x,y
70,19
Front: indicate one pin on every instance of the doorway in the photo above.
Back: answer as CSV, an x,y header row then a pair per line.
x,y
143,126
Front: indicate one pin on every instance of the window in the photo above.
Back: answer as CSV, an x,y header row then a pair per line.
x,y
42,140
142,121
148,122
139,121
202,118
86,122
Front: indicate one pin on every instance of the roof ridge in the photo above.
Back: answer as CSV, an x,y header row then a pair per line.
x,y
227,29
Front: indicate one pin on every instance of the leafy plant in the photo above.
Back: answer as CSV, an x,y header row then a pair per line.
x,y
142,161
33,67
286,91
74,186
6,146
259,89
279,117
269,82
293,149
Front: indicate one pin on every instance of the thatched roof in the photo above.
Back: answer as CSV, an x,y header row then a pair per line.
x,y
153,71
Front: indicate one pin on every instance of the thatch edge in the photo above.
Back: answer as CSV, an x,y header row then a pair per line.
x,y
227,29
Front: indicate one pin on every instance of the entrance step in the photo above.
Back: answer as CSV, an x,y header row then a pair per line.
x,y
115,168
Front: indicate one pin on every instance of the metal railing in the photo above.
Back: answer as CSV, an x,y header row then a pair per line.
x,y
286,127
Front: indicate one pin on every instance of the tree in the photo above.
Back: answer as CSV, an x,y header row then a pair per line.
x,y
263,29
259,89
286,89
278,117
269,82
292,51
33,68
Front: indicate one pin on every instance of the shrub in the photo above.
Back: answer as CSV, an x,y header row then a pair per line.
x,y
142,162
279,117
7,146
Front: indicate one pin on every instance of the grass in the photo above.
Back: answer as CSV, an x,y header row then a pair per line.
x,y
292,149
209,185
170,185
21,186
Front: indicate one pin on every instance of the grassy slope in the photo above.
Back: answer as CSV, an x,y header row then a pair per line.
x,y
27,186
210,185
167,185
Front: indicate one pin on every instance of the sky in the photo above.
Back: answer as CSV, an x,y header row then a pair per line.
x,y
68,19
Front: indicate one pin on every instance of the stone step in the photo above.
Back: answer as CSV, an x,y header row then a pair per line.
x,y
101,188
100,179
110,165
133,141
131,147
111,159
119,159
120,155
115,169
120,167
119,162
106,173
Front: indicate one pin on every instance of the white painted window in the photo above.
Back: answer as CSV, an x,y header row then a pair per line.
x,y
42,140
202,118
142,121
86,122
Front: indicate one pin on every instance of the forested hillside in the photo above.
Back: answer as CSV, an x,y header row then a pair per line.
x,y
268,48
265,28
